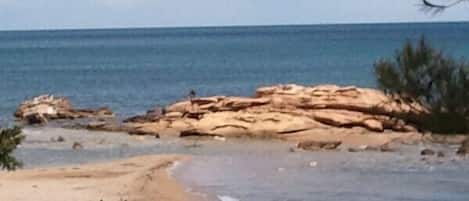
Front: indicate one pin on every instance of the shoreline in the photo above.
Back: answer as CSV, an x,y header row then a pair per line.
x,y
139,178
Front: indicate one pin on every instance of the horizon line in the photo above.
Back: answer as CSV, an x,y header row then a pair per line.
x,y
229,26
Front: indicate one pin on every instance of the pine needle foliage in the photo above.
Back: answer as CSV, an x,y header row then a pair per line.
x,y
10,138
424,74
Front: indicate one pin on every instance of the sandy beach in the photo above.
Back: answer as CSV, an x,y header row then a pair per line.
x,y
135,179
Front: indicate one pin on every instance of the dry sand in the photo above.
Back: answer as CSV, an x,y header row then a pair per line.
x,y
143,178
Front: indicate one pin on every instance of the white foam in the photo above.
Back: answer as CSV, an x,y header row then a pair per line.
x,y
226,198
171,169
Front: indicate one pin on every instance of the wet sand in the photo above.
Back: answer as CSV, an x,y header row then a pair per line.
x,y
242,169
141,178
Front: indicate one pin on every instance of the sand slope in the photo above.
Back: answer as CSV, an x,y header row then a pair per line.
x,y
136,179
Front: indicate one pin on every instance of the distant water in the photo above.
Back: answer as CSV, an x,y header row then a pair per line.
x,y
131,70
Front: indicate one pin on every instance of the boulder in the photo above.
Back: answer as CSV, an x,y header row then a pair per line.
x,y
41,109
311,145
464,148
427,152
77,146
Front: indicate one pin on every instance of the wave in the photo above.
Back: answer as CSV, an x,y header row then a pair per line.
x,y
226,198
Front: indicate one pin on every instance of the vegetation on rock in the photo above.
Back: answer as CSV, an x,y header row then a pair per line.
x,y
420,73
10,138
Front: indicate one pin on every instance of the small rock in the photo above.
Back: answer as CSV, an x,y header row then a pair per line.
x,y
354,149
280,169
60,139
291,150
427,152
137,131
440,154
464,148
96,125
77,146
387,148
318,145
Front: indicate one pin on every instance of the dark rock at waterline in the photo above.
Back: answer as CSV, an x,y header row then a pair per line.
x,y
97,125
105,126
464,148
430,152
143,132
355,149
195,133
427,152
77,146
35,119
60,139
153,115
312,145
388,147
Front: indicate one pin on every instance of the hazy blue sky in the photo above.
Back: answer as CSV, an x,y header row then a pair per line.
x,y
53,14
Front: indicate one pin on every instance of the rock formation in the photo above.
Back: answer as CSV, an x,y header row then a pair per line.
x,y
275,111
285,109
41,109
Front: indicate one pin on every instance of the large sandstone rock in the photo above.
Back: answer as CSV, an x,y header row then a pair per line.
x,y
298,108
41,109
281,110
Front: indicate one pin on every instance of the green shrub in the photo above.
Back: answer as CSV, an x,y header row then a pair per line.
x,y
423,74
10,138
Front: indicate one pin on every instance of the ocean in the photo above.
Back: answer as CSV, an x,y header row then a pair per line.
x,y
131,70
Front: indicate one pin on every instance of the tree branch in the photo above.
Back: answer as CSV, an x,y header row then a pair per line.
x,y
429,6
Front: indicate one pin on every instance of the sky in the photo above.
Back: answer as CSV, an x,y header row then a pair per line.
x,y
76,14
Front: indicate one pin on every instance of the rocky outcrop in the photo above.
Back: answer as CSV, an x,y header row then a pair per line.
x,y
274,112
41,109
286,109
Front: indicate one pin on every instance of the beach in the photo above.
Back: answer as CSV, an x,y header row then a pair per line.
x,y
140,178
242,169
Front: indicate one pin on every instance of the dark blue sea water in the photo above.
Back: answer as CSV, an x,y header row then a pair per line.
x,y
131,70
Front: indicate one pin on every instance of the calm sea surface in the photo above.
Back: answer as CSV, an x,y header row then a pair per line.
x,y
131,70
